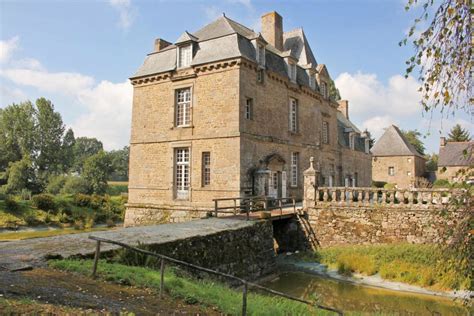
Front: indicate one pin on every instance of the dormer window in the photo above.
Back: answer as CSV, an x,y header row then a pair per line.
x,y
324,89
312,82
185,55
292,71
261,55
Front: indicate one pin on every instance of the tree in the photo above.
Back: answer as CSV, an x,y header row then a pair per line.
x,y
20,175
413,138
50,129
443,54
97,169
334,91
459,134
432,162
119,159
67,149
369,136
84,148
17,133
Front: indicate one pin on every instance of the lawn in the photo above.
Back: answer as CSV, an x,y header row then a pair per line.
x,y
422,265
207,293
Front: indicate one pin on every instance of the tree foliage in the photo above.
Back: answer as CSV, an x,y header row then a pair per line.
x,y
413,138
85,147
459,134
334,91
97,169
119,159
432,162
442,54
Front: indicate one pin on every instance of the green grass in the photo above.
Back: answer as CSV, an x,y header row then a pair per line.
x,y
422,265
117,187
226,299
45,233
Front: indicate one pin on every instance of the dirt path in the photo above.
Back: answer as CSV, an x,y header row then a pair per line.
x,y
66,289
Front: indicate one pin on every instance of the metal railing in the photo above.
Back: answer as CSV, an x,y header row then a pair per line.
x,y
252,204
245,284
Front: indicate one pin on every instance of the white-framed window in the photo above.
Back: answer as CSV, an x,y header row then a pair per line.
x,y
182,170
294,168
409,160
185,55
391,171
206,168
248,108
312,82
275,180
261,55
293,115
325,132
292,71
324,89
409,173
183,107
351,141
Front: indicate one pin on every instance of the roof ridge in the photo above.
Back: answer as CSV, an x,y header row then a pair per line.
x,y
238,23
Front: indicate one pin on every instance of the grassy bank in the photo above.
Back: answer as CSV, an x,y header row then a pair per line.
x,y
422,265
79,211
227,300
26,306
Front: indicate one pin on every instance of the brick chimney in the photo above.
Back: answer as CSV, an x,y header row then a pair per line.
x,y
442,141
160,44
344,108
272,29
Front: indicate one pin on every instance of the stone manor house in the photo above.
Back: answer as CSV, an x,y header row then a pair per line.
x,y
227,112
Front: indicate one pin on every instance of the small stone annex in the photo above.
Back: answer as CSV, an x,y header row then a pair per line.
x,y
228,112
396,161
454,157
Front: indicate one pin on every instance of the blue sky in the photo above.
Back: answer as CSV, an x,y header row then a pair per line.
x,y
79,54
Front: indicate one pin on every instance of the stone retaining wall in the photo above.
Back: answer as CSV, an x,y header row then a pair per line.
x,y
245,252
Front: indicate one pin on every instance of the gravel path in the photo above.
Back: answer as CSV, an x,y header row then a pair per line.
x,y
23,254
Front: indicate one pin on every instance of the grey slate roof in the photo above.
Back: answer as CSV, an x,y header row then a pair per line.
x,y
186,37
295,41
393,143
456,154
344,127
224,39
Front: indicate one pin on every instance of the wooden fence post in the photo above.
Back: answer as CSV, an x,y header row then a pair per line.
x,y
215,207
244,300
162,277
96,259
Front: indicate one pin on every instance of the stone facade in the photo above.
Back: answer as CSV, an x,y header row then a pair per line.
x,y
406,170
240,112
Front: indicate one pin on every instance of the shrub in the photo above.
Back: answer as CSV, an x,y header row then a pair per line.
x,y
98,201
11,205
82,200
378,184
75,185
117,189
55,184
25,194
441,183
389,186
44,202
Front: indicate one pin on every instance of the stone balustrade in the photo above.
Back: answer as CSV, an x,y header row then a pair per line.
x,y
350,196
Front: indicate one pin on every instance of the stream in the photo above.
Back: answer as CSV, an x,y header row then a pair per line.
x,y
351,298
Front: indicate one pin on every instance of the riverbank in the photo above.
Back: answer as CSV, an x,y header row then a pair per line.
x,y
292,263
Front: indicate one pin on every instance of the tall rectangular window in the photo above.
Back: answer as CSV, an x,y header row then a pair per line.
x,y
294,168
183,107
206,168
182,173
261,55
325,132
293,115
312,82
391,171
248,109
185,55
260,75
292,71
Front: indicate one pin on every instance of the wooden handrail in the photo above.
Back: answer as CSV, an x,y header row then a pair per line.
x,y
246,284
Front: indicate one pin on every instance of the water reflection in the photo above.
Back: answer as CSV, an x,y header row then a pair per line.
x,y
355,298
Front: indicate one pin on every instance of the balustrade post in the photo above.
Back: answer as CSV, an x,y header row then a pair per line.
x,y
343,196
411,197
367,196
351,196
325,194
392,197
384,197
333,196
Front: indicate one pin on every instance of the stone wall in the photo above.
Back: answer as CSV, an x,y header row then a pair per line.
x,y
406,168
354,225
244,252
346,215
147,214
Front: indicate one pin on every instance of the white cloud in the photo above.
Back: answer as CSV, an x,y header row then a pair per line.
x,y
9,95
108,114
7,48
369,96
377,125
127,12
